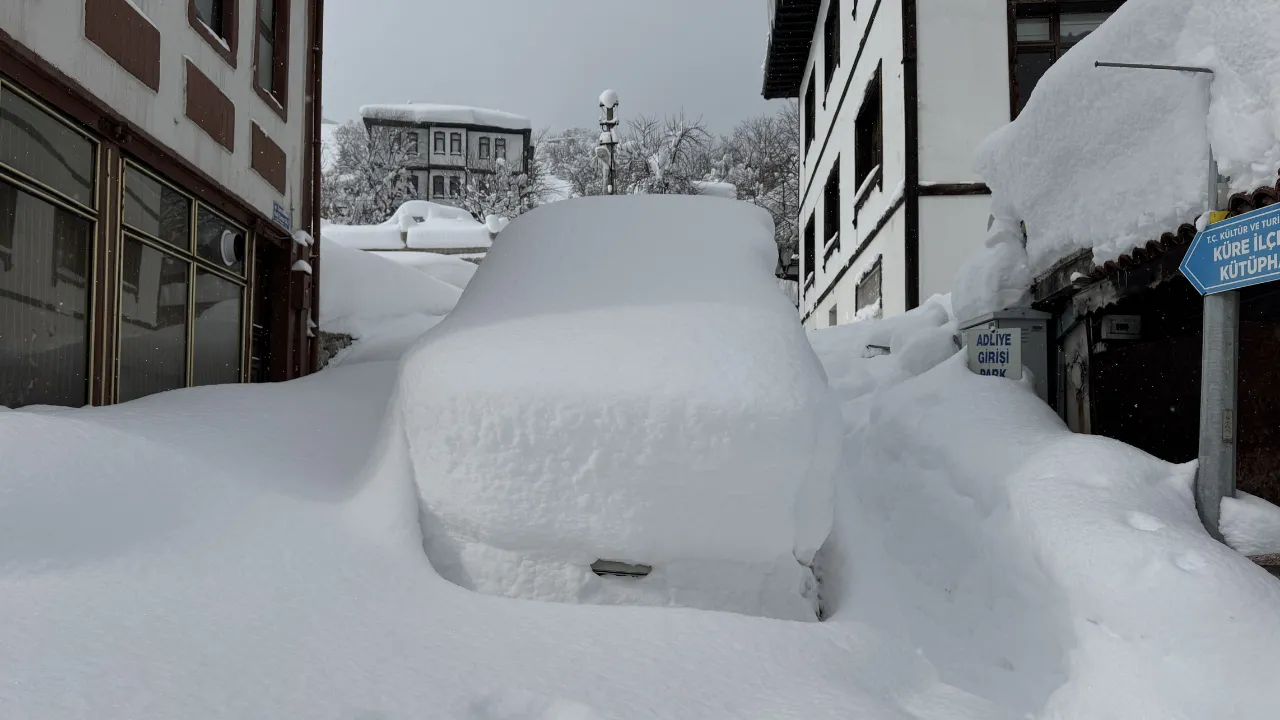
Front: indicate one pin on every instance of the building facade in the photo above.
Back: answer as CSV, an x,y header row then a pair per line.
x,y
895,96
448,146
156,158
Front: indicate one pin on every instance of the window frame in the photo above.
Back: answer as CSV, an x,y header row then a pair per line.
x,y
437,187
877,270
499,148
868,146
438,145
1055,46
831,47
455,186
230,22
810,113
277,98
455,137
411,143
831,213
809,240
484,149
92,212
190,255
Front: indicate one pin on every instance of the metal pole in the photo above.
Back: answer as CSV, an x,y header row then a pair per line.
x,y
1219,361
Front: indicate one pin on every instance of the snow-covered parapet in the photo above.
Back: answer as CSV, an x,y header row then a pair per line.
x,y
622,381
1106,158
427,114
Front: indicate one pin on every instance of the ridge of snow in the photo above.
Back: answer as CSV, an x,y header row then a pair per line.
x,y
1251,525
427,113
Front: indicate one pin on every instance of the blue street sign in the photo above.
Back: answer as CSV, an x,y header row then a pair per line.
x,y
1237,253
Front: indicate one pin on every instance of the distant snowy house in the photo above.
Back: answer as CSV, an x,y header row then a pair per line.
x,y
895,97
449,144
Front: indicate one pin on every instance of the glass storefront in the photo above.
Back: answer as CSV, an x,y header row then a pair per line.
x,y
168,312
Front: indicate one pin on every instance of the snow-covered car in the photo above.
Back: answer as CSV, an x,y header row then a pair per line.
x,y
623,408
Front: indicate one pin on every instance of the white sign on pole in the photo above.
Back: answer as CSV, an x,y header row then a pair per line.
x,y
996,352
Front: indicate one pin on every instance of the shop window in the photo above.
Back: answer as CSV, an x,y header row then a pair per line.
x,y
183,291
868,130
1043,32
484,148
44,325
38,145
48,220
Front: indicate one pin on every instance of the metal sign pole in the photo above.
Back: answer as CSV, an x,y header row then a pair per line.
x,y
1219,359
1219,362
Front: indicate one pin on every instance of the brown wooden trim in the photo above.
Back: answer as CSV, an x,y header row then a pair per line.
x,y
267,158
210,109
121,31
954,189
911,91
279,104
862,247
230,20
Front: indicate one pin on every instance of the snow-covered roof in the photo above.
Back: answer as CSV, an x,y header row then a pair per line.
x,y
428,114
716,189
1105,159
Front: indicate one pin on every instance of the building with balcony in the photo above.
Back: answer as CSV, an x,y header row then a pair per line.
x,y
895,96
448,145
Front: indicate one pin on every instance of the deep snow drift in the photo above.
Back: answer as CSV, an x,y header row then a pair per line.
x,y
416,225
589,399
1105,158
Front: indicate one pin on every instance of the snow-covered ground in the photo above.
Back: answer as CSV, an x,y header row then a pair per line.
x,y
257,551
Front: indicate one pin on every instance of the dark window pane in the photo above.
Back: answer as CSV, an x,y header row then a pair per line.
x,y
156,209
1029,68
36,144
153,328
500,148
809,256
439,142
44,336
831,203
210,13
219,312
437,186
455,186
219,241
413,142
868,290
831,40
455,143
266,62
267,14
484,148
1074,27
1035,30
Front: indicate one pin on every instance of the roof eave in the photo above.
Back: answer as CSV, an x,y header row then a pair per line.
x,y
790,41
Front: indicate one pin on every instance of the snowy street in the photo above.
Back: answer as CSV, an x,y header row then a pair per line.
x,y
259,552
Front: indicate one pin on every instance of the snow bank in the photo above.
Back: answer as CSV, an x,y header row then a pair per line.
x,y
1054,575
996,276
428,114
359,290
589,399
1105,158
447,268
1251,525
365,237
417,225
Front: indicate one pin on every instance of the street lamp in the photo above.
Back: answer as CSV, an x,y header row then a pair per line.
x,y
607,150
1219,358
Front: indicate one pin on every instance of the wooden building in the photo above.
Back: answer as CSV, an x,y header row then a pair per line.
x,y
156,160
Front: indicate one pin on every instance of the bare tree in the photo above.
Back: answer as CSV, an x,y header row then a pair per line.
x,y
664,157
503,190
762,158
367,180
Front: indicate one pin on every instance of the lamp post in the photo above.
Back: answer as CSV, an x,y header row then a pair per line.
x,y
607,150
1219,359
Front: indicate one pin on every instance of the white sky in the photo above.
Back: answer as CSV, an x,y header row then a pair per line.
x,y
549,59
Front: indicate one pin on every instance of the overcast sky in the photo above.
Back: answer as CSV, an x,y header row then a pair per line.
x,y
548,59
